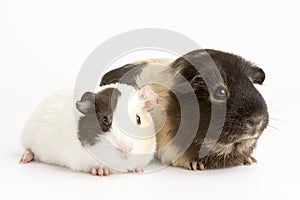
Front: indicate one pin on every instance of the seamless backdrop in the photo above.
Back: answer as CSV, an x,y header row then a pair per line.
x,y
44,43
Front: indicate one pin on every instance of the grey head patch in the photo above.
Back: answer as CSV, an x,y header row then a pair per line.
x,y
97,110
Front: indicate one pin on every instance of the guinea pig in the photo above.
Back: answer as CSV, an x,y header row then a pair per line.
x,y
232,113
114,131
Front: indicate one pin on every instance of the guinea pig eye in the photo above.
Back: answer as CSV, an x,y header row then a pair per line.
x,y
105,121
138,120
220,93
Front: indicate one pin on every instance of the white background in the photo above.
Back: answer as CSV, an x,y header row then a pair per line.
x,y
43,45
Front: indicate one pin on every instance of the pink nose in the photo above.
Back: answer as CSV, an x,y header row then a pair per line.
x,y
125,148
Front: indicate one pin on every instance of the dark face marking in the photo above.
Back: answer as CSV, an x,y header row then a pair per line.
x,y
246,110
246,113
98,116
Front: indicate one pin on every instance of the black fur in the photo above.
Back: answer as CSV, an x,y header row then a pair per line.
x,y
245,109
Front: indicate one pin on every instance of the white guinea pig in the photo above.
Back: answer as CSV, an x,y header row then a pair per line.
x,y
113,133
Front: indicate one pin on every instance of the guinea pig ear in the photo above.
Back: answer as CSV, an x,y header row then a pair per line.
x,y
256,75
87,103
149,97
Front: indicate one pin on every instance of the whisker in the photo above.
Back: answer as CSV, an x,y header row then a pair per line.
x,y
273,127
275,110
281,109
274,119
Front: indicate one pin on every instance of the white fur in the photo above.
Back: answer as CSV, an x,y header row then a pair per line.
x,y
51,134
124,132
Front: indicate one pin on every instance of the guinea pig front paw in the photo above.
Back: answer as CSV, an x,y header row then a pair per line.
x,y
250,160
27,157
101,171
194,165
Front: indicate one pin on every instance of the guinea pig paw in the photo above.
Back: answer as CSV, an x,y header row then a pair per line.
x,y
101,171
27,157
250,160
195,165
137,170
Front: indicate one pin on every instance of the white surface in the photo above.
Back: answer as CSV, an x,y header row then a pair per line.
x,y
42,46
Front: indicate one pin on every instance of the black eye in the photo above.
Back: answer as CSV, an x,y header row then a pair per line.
x,y
105,121
138,120
220,93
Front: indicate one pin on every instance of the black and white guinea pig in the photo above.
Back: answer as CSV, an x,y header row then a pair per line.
x,y
232,113
114,133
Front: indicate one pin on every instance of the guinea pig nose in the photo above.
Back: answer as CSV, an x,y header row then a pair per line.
x,y
125,148
251,122
254,121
